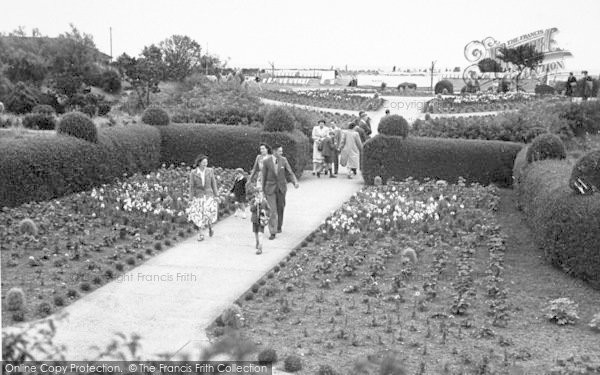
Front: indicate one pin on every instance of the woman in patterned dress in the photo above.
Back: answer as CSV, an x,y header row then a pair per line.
x,y
319,133
204,196
265,153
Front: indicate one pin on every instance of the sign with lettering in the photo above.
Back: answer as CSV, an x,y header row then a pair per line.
x,y
542,40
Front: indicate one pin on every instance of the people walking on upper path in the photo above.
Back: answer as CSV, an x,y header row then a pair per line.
x,y
319,133
571,84
364,122
337,138
204,196
274,186
350,150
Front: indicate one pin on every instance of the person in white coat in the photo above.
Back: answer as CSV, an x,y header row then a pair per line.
x,y
350,150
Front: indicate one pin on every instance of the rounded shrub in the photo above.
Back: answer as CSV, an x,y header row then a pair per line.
x,y
89,109
155,116
292,363
267,357
278,119
326,370
44,309
21,99
15,299
444,84
78,125
585,177
39,121
44,109
546,146
110,81
27,226
103,109
394,125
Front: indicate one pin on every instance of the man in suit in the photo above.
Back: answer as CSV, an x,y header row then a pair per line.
x,y
274,185
337,139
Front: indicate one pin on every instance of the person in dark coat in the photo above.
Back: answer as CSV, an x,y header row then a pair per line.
x,y
571,84
329,152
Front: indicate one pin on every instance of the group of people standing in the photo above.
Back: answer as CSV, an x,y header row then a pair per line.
x,y
587,85
268,180
333,146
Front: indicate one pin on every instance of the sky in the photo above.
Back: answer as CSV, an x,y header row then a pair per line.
x,y
375,34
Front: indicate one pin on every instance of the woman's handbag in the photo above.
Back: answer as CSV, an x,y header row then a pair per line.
x,y
320,146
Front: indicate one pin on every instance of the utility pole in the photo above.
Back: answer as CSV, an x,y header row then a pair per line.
x,y
432,67
110,31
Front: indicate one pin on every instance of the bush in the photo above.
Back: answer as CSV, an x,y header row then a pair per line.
x,y
155,116
15,299
21,99
444,84
267,357
89,109
543,89
78,125
27,226
546,146
110,81
292,363
326,370
39,121
565,225
585,177
393,125
44,109
103,109
278,119
232,317
43,168
484,162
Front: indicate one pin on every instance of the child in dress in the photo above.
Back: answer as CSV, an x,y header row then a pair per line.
x,y
238,192
260,218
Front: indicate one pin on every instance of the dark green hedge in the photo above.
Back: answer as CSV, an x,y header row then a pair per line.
x,y
565,225
229,146
43,168
484,162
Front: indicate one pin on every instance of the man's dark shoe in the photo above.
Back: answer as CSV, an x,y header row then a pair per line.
x,y
272,237
332,176
278,230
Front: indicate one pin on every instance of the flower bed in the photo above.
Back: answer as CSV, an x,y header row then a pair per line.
x,y
563,118
325,99
82,241
348,292
480,102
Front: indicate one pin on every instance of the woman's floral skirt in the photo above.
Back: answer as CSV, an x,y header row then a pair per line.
x,y
203,211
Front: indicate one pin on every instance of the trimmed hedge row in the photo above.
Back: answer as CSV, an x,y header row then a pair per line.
x,y
44,168
484,162
565,225
228,146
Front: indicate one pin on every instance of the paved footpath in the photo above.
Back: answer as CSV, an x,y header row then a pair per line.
x,y
200,279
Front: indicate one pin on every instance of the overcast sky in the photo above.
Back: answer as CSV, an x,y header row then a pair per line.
x,y
318,33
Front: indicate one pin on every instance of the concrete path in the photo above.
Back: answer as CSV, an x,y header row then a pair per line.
x,y
174,296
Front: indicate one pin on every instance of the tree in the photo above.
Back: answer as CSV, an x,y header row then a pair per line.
x,y
489,65
523,56
182,56
143,73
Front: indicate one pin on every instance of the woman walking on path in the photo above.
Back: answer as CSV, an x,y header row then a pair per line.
x,y
204,196
261,212
319,133
351,150
264,153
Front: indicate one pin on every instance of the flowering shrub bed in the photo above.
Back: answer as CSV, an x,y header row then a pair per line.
x,y
349,291
564,118
479,102
325,99
73,245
